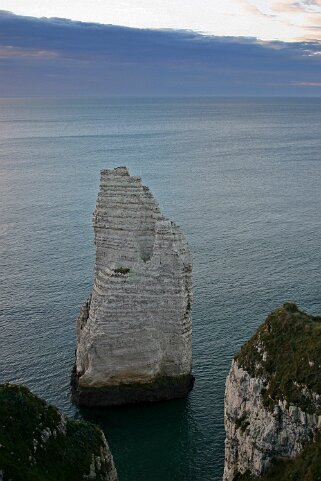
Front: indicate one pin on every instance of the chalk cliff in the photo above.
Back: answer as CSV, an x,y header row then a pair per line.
x,y
273,398
38,443
134,333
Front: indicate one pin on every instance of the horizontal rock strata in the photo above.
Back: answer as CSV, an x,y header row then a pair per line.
x,y
273,394
134,332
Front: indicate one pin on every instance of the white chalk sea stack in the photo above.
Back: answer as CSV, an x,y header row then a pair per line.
x,y
134,333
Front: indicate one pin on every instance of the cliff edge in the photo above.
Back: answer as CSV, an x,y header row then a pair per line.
x,y
37,443
134,333
273,401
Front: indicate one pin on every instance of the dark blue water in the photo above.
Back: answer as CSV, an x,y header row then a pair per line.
x,y
241,176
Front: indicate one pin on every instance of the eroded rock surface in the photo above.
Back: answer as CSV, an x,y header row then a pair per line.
x,y
134,334
273,394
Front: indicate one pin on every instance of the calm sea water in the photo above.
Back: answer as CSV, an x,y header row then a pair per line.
x,y
241,176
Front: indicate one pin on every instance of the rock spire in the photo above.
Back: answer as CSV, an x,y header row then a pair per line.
x,y
134,333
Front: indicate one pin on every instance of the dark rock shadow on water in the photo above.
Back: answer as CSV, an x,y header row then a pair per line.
x,y
163,432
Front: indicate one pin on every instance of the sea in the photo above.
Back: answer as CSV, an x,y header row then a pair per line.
x,y
241,176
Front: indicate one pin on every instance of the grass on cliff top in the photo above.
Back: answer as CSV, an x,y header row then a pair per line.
x,y
286,352
26,455
305,467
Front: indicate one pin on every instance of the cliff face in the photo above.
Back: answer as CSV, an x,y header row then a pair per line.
x,y
273,394
37,443
134,332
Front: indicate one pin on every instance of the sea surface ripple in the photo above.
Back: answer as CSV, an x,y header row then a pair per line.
x,y
240,176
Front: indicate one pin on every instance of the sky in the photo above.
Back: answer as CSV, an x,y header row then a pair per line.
x,y
285,20
168,47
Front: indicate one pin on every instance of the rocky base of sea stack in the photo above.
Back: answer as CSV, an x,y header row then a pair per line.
x,y
162,389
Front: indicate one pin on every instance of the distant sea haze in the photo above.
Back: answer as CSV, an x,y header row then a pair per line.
x,y
242,179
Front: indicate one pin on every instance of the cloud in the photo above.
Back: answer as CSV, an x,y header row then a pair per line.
x,y
251,8
304,15
265,19
307,84
63,57
9,51
286,6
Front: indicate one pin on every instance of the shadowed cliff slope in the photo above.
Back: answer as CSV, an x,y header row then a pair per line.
x,y
37,443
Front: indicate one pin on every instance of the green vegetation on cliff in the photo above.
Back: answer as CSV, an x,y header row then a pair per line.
x,y
286,353
305,467
37,443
